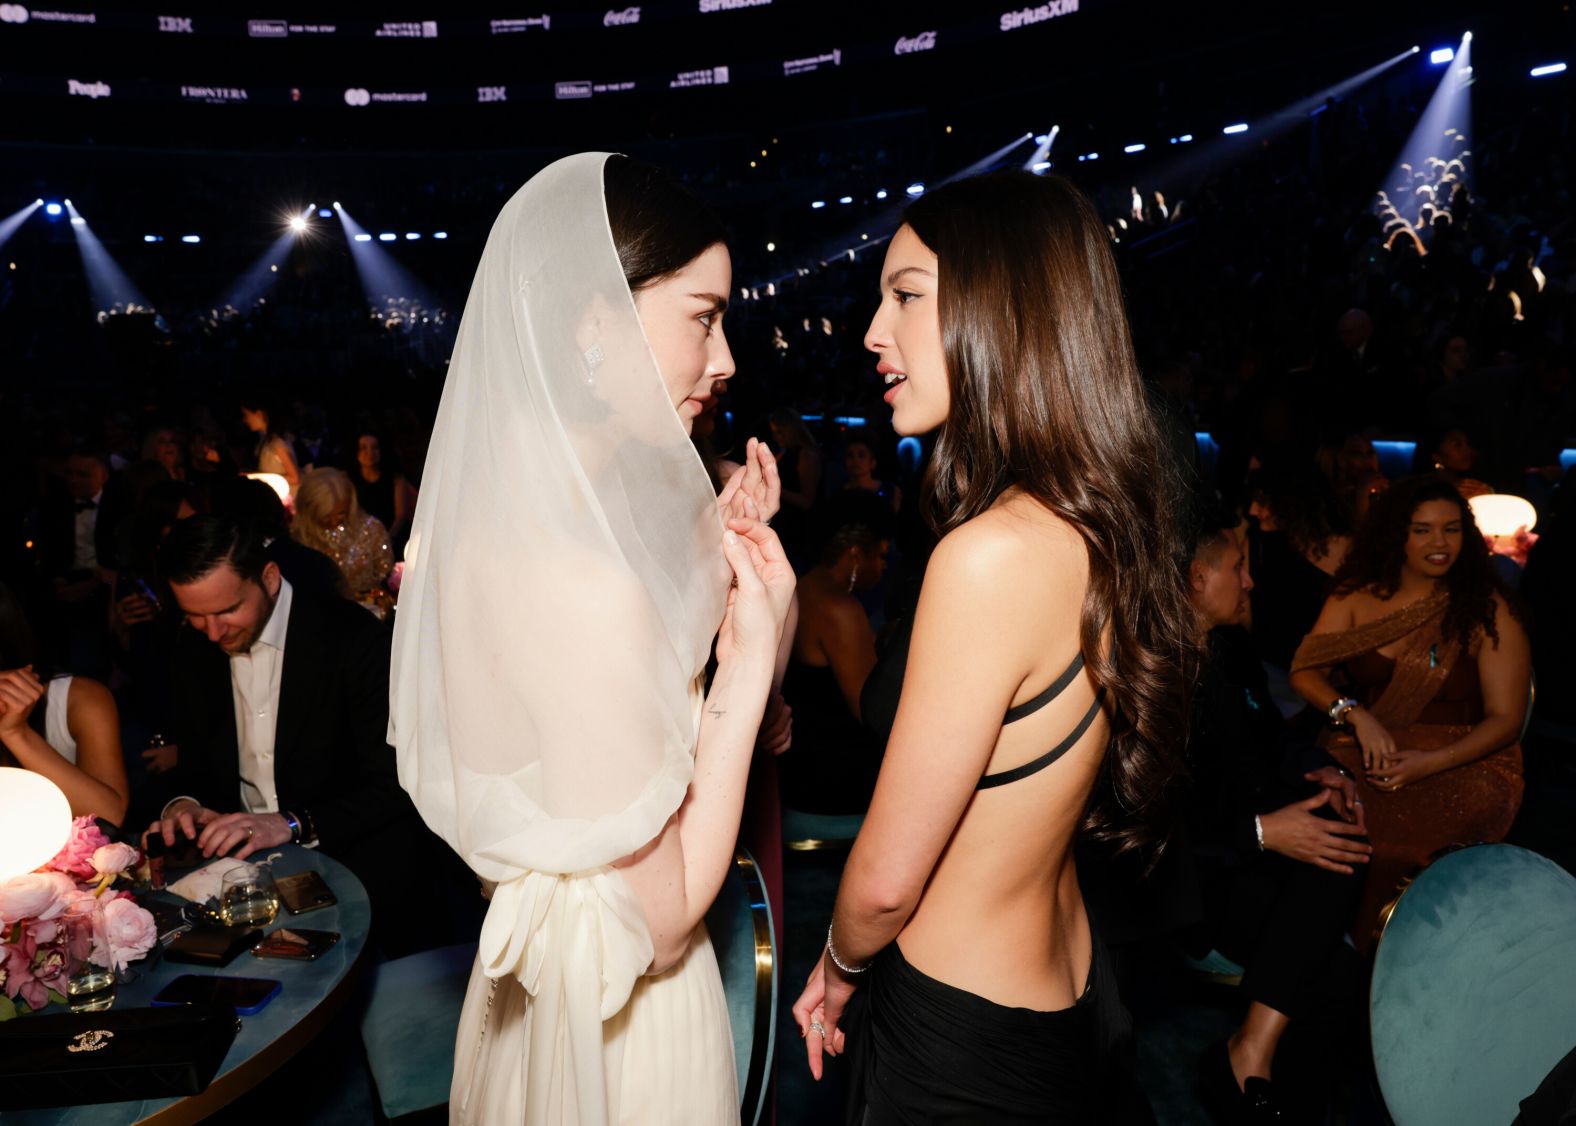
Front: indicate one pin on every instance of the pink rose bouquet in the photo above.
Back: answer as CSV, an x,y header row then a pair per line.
x,y
39,952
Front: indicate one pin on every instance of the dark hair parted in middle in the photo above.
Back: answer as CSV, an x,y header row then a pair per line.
x,y
659,226
199,545
1046,396
1379,550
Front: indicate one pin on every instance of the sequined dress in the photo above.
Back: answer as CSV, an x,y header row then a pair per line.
x,y
362,552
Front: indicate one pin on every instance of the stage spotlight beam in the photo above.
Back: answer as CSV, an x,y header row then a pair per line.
x,y
261,275
1443,130
107,282
382,276
10,224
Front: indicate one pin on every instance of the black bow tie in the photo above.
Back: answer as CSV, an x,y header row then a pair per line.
x,y
85,505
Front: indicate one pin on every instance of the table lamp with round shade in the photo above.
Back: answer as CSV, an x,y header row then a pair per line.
x,y
35,821
1499,514
274,481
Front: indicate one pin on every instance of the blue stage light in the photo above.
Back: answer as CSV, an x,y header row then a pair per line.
x,y
325,212
363,237
1442,55
152,238
817,205
387,236
193,239
1041,166
846,199
916,190
52,209
440,234
412,235
1134,148
881,193
1546,70
1239,127
1185,138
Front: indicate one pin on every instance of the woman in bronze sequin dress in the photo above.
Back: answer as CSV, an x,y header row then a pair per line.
x,y
1426,643
329,519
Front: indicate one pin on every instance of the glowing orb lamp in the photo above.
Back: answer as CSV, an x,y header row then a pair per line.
x,y
35,821
274,481
1498,514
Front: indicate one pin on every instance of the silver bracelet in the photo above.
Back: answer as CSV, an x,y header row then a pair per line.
x,y
831,952
1258,831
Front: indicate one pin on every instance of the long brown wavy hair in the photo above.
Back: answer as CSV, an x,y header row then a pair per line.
x,y
1379,550
1046,396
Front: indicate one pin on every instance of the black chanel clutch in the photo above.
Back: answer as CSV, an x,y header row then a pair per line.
x,y
69,1059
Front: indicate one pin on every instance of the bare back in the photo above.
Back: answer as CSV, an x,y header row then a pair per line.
x,y
1000,914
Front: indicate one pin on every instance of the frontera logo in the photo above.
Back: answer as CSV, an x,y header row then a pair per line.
x,y
87,89
13,13
357,96
616,18
924,41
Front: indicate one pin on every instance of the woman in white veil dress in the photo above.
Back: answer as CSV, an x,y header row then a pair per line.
x,y
567,572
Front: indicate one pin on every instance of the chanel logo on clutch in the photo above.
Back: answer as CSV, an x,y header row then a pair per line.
x,y
90,1041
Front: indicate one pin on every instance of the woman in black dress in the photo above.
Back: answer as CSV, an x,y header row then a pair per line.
x,y
1053,615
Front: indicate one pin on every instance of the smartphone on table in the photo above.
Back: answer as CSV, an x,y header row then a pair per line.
x,y
303,892
296,945
246,995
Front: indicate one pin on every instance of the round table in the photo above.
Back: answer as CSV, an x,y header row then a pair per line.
x,y
310,994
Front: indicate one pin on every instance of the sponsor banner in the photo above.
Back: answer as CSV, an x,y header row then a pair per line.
x,y
215,95
279,29
492,93
621,17
176,25
543,22
912,45
571,91
792,67
1024,17
87,89
711,76
407,29
708,6
20,14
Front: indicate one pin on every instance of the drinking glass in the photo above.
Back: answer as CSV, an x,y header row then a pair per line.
x,y
91,986
248,896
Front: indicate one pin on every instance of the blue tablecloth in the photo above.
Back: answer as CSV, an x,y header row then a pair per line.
x,y
309,994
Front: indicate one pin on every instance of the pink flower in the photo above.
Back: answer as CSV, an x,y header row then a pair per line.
x,y
129,932
113,859
76,859
20,979
37,896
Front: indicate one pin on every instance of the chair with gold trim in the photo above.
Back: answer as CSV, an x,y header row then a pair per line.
x,y
1473,998
740,926
813,832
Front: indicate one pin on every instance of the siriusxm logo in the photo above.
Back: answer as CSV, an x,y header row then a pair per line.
x,y
87,89
616,18
730,5
13,13
924,41
1023,17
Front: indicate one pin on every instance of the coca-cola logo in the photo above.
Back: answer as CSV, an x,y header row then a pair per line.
x,y
621,17
924,41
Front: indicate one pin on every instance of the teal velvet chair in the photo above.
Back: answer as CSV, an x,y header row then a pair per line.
x,y
740,925
811,832
1473,998
1215,967
411,1020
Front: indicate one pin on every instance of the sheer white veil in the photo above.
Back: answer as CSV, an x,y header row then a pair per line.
x,y
564,577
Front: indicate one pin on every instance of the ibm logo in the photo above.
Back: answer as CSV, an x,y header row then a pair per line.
x,y
492,93
180,25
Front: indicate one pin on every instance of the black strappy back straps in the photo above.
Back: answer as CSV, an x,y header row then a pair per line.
x,y
1029,708
1058,686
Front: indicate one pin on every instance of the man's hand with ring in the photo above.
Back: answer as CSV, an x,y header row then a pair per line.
x,y
252,832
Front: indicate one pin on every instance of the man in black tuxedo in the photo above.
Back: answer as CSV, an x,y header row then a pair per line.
x,y
281,717
75,537
1275,850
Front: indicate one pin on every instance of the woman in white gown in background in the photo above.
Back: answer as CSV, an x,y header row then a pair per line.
x,y
567,572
